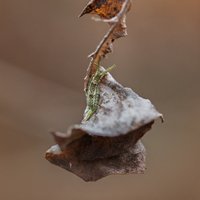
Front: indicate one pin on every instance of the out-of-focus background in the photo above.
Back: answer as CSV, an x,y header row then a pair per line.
x,y
43,60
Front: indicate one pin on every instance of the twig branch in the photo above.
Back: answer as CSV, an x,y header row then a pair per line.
x,y
105,45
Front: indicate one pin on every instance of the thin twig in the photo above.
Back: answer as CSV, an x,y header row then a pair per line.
x,y
115,21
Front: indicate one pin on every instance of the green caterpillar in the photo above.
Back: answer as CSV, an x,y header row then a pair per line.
x,y
93,90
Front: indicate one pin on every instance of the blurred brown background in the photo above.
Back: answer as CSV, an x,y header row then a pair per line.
x,y
43,60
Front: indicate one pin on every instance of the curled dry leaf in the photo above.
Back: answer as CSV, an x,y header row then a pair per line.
x,y
131,161
106,9
120,110
107,143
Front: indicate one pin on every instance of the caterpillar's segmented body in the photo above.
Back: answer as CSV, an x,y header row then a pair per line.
x,y
93,90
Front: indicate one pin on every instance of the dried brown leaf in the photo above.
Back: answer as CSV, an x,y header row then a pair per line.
x,y
106,9
131,161
105,144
